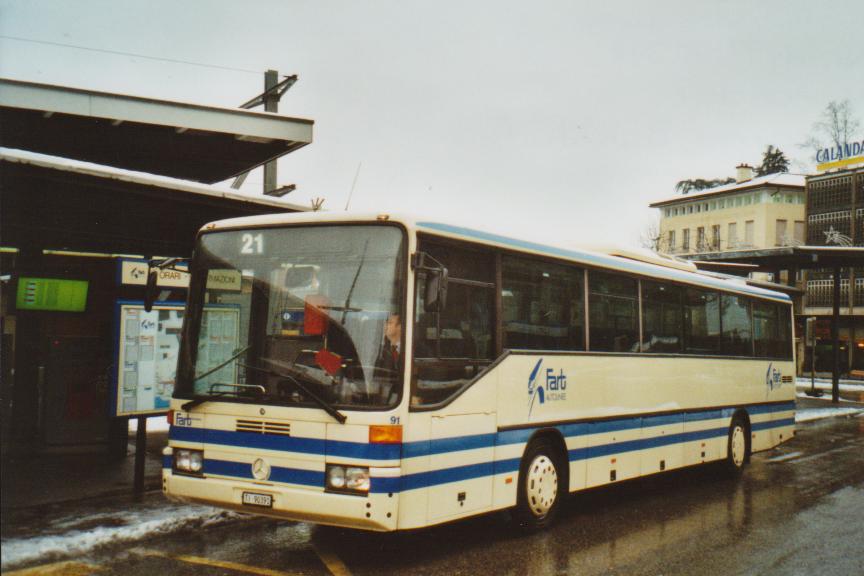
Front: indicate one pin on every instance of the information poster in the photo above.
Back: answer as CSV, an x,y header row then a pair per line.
x,y
148,347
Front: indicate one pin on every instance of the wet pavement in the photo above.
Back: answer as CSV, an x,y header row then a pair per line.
x,y
797,510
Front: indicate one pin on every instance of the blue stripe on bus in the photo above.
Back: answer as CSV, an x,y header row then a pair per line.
x,y
447,475
316,446
386,485
773,424
445,445
363,450
167,461
769,408
277,473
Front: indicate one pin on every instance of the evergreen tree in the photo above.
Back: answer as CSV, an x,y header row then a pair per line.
x,y
774,161
697,184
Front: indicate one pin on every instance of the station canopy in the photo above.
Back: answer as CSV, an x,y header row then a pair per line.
x,y
783,258
188,141
51,203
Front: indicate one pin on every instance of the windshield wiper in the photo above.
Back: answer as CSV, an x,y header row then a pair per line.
x,y
347,307
223,364
202,399
326,406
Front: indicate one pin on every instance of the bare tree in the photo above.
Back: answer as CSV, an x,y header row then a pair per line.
x,y
652,238
836,127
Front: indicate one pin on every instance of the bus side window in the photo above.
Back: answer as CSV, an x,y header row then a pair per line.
x,y
613,308
453,344
543,305
662,318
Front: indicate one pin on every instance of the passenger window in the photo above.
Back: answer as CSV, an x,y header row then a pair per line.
x,y
453,343
701,322
737,329
614,323
543,305
662,318
772,336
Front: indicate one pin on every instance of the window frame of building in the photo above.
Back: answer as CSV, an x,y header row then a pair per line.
x,y
732,235
749,233
780,232
799,233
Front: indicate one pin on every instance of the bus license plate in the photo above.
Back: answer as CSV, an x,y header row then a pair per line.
x,y
253,499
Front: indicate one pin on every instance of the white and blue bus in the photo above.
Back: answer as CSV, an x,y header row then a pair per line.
x,y
388,373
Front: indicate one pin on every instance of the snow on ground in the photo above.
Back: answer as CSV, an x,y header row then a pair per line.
x,y
155,424
825,384
78,535
810,414
825,396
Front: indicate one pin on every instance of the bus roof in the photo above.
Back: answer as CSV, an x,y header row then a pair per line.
x,y
576,255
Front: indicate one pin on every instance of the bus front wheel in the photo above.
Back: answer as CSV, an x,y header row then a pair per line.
x,y
541,480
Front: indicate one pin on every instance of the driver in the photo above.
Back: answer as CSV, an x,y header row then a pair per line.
x,y
388,358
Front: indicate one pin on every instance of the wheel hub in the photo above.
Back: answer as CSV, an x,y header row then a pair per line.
x,y
738,446
542,485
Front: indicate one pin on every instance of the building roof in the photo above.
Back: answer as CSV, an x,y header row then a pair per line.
x,y
182,140
782,180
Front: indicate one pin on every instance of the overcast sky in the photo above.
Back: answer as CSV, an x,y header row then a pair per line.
x,y
559,121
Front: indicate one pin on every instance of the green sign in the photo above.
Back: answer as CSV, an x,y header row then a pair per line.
x,y
52,294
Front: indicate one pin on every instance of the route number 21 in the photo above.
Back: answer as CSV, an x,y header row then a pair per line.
x,y
252,244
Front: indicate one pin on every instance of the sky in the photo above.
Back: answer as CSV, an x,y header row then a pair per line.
x,y
554,121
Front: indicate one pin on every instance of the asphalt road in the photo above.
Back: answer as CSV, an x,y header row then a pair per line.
x,y
796,510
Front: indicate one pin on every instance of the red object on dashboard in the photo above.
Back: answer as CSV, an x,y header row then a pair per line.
x,y
329,361
315,316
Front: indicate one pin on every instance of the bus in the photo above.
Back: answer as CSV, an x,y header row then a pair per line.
x,y
387,373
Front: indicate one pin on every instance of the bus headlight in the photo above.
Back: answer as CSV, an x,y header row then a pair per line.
x,y
357,479
347,478
336,477
189,461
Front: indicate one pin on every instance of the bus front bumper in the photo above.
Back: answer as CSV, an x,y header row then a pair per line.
x,y
376,511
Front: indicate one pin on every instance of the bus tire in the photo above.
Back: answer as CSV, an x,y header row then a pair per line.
x,y
738,446
541,489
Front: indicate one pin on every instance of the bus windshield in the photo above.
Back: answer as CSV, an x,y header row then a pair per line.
x,y
304,315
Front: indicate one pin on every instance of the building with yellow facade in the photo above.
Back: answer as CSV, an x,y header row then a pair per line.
x,y
753,213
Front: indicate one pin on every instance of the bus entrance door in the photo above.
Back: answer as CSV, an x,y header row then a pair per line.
x,y
461,464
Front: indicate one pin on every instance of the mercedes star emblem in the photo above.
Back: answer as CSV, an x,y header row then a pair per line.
x,y
260,469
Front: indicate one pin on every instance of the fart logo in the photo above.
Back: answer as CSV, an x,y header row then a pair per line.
x,y
773,378
551,388
185,420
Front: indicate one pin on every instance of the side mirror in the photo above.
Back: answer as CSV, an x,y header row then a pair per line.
x,y
299,276
436,289
151,291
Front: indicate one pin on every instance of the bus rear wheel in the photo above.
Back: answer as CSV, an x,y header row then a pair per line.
x,y
738,446
541,486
